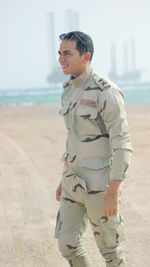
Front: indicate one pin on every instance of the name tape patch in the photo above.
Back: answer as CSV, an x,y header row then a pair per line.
x,y
88,102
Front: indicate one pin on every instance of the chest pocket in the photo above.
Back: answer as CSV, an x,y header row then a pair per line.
x,y
86,120
86,112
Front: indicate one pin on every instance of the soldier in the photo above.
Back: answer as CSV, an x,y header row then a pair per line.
x,y
98,152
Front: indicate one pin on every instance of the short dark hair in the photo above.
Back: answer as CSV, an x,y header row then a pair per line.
x,y
84,42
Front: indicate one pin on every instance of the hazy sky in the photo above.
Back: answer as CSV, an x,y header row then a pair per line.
x,y
23,36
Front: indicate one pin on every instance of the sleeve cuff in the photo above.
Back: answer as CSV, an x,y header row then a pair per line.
x,y
120,164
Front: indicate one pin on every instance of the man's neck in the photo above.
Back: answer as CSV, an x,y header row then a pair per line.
x,y
82,71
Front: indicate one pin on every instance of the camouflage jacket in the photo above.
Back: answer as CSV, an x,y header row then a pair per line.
x,y
98,133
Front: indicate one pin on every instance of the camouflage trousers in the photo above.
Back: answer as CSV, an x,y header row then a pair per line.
x,y
77,206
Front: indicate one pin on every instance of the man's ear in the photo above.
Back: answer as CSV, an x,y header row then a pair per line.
x,y
87,57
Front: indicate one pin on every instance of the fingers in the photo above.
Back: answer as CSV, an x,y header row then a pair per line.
x,y
58,195
110,205
109,212
58,192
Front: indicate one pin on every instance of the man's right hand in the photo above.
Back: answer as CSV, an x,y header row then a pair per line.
x,y
58,192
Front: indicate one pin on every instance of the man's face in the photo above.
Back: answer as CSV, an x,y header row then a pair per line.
x,y
70,59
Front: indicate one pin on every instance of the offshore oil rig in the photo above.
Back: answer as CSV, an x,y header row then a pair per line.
x,y
129,75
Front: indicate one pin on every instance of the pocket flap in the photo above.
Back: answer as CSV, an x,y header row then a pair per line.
x,y
86,111
64,110
95,163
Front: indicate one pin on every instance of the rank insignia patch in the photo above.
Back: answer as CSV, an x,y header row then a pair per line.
x,y
102,82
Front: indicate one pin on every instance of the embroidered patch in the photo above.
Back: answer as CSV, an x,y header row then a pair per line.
x,y
103,82
88,102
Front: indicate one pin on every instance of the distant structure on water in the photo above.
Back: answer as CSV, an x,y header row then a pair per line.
x,y
129,75
71,23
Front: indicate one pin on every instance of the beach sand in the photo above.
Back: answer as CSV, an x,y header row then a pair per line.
x,y
32,140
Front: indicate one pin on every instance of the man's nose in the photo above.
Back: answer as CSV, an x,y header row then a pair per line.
x,y
61,58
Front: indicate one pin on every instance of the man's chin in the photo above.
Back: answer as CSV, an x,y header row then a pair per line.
x,y
66,72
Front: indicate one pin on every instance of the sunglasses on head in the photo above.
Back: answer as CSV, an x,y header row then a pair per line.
x,y
63,35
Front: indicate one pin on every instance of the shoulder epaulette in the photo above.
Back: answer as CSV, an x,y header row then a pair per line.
x,y
104,83
101,82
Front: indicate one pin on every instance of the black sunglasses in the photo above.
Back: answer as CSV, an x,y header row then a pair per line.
x,y
63,35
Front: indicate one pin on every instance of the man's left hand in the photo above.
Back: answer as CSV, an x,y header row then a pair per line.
x,y
111,201
110,205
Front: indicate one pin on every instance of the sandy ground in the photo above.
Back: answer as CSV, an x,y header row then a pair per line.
x,y
32,140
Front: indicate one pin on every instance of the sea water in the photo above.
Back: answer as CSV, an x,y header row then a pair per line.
x,y
134,94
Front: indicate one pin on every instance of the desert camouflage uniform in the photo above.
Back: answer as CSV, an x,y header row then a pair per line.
x,y
98,149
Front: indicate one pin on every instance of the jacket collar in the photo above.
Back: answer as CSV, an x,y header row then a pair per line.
x,y
82,78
